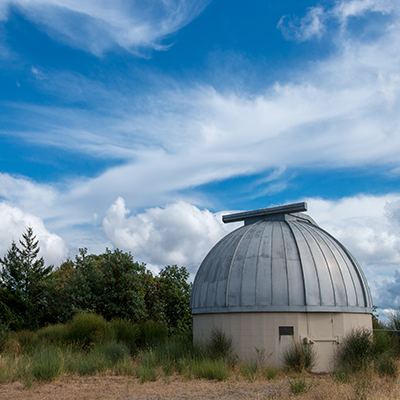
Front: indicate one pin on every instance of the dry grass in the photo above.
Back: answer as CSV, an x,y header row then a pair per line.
x,y
108,386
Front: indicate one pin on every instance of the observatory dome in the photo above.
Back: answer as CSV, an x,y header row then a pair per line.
x,y
279,261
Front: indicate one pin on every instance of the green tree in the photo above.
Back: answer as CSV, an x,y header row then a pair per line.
x,y
25,284
169,300
108,284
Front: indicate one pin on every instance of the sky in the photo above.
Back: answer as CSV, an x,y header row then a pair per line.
x,y
137,125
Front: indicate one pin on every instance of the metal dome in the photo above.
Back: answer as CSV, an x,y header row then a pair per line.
x,y
280,260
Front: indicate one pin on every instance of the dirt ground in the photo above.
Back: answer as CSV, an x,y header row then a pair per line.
x,y
128,388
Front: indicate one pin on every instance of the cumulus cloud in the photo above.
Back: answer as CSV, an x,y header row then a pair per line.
x,y
98,25
14,222
179,233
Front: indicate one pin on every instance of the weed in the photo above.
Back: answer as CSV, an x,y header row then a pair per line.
x,y
300,357
299,385
270,372
249,370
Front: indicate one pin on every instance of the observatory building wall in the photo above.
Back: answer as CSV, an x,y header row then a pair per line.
x,y
272,333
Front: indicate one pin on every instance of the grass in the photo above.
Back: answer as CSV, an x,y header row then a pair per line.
x,y
299,385
300,357
121,348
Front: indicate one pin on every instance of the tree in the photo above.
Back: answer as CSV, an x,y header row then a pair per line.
x,y
24,282
168,298
108,284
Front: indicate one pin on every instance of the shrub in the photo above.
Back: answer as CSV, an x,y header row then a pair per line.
x,y
112,352
220,345
151,333
19,343
386,365
54,334
87,329
357,350
300,357
126,332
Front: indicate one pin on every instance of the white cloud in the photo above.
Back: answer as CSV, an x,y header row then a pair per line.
x,y
14,223
178,233
97,25
312,24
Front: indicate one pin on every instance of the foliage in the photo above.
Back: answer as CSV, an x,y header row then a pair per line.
x,y
362,353
174,295
111,284
220,345
394,321
108,284
300,357
357,350
24,285
86,330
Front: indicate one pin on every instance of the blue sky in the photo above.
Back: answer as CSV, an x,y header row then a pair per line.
x,y
137,124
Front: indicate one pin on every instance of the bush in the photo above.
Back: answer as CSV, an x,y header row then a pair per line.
x,y
151,333
55,334
126,332
386,365
300,357
113,352
87,329
220,345
20,342
357,350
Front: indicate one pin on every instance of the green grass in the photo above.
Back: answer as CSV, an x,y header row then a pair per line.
x,y
46,362
300,357
210,369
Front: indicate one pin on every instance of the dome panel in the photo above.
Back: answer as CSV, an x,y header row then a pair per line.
x,y
279,262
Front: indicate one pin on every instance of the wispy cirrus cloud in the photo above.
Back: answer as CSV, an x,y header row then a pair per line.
x,y
98,25
314,23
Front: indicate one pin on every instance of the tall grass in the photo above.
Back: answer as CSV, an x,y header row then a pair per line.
x,y
300,357
46,362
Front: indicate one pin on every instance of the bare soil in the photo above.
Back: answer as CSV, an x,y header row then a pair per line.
x,y
128,388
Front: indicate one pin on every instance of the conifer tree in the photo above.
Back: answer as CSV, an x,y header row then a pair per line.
x,y
24,281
